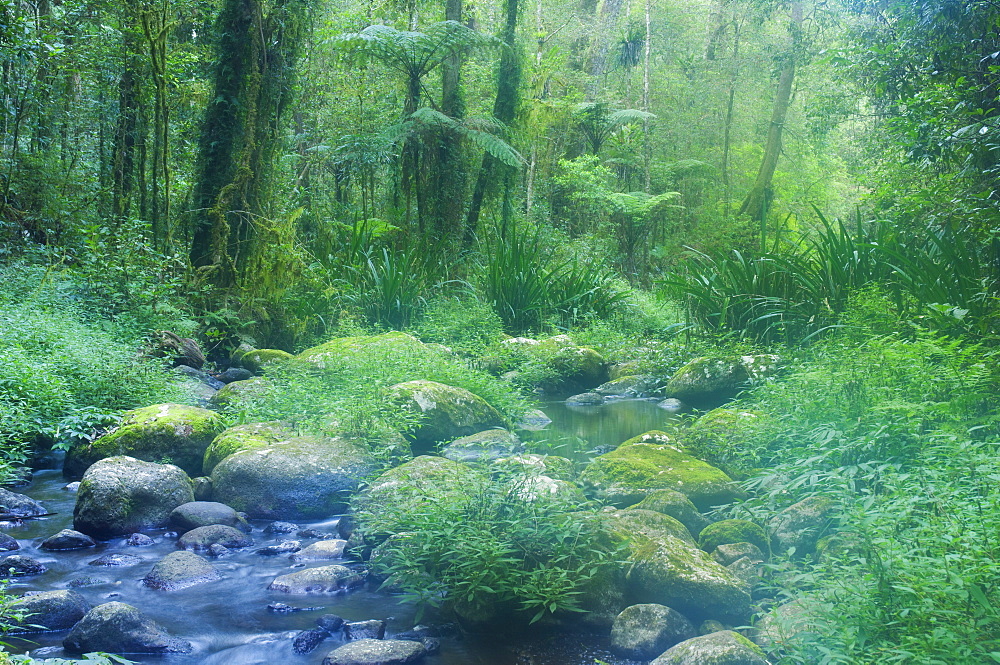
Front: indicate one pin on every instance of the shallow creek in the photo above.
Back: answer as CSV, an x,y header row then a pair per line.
x,y
228,620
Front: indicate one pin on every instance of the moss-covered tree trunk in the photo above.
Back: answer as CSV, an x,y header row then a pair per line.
x,y
257,51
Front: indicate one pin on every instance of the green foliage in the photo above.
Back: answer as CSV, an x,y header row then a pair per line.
x,y
528,284
61,373
463,323
348,394
390,287
503,550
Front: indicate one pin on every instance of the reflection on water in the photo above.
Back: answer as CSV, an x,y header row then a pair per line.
x,y
581,432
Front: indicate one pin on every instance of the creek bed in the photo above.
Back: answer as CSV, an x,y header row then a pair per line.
x,y
228,622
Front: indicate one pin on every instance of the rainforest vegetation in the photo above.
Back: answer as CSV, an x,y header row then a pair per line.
x,y
657,179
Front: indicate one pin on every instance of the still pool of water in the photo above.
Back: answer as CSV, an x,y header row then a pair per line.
x,y
227,621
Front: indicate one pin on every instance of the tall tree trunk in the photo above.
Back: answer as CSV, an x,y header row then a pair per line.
x,y
254,77
504,110
155,27
647,144
758,199
126,138
448,173
728,122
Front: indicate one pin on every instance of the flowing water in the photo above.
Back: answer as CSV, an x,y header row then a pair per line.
x,y
228,621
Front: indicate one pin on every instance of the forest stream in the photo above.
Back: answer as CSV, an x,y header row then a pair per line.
x,y
229,621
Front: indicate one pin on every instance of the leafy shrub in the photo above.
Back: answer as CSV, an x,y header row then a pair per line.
x,y
503,549
462,323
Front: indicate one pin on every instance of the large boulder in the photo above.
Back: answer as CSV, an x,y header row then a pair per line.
x,y
239,391
802,524
654,461
244,437
120,628
443,412
678,506
639,385
483,447
192,515
258,360
202,538
397,498
180,570
303,477
574,369
724,647
531,464
325,579
645,631
330,354
14,505
376,652
734,439
122,495
49,610
172,433
714,379
728,532
665,569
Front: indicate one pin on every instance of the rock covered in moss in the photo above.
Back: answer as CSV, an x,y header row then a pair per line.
x,y
444,412
785,625
667,570
258,360
19,565
172,433
552,466
645,631
400,495
734,438
729,552
638,385
323,550
802,524
122,495
180,570
678,506
727,532
120,628
303,477
654,461
244,437
325,579
575,369
648,523
724,647
239,391
714,379
483,447
49,610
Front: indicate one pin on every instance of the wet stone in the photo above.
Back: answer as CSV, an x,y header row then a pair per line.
x,y
8,543
284,547
372,629
18,565
308,640
281,527
331,623
218,551
282,608
376,652
68,539
139,540
116,559
82,582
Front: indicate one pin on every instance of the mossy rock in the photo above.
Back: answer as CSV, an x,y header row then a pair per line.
x,y
639,385
48,610
575,369
654,461
801,525
303,477
728,532
645,631
258,360
733,439
678,506
123,495
395,500
552,466
724,647
443,412
180,570
251,436
715,379
239,391
120,628
483,447
666,569
326,355
172,433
